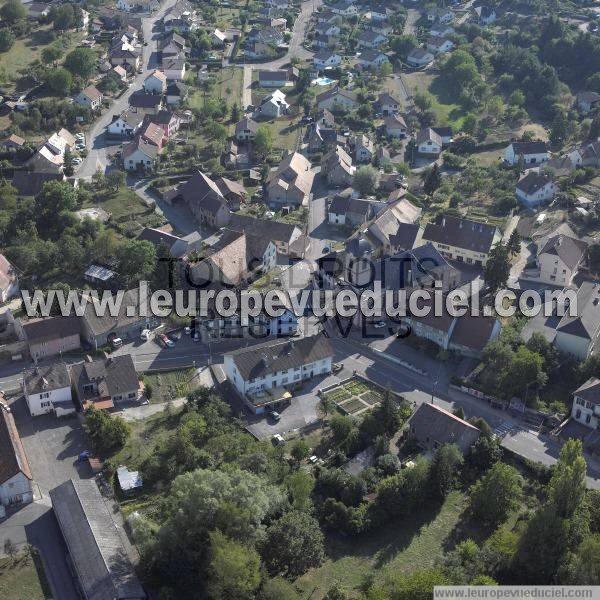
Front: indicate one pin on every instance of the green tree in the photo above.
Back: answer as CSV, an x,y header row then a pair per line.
x,y
469,125
63,17
484,453
300,451
416,585
526,369
514,243
517,98
13,11
7,39
137,259
263,141
340,426
497,268
293,544
422,101
81,62
365,180
278,589
496,494
234,570
60,81
107,433
584,565
235,112
444,471
432,179
299,486
51,54
566,490
559,129
115,178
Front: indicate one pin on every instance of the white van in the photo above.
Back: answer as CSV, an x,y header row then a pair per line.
x,y
117,343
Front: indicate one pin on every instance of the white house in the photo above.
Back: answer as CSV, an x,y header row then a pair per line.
x,y
363,148
372,59
441,15
218,38
90,97
337,99
419,57
559,256
344,9
586,404
429,143
371,39
140,155
174,68
395,126
155,83
531,153
439,44
261,373
9,280
274,105
326,58
126,124
47,389
15,473
577,335
535,189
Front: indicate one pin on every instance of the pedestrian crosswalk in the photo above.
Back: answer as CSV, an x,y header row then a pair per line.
x,y
505,428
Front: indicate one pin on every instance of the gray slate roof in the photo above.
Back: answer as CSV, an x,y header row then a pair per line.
x,y
463,233
95,547
280,355
568,249
45,378
440,424
587,321
589,391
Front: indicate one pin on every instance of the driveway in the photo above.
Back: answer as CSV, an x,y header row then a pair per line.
x,y
98,145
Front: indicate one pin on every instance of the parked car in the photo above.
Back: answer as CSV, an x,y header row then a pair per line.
x,y
145,335
275,416
337,367
379,324
175,335
116,342
165,341
187,330
277,440
77,160
83,456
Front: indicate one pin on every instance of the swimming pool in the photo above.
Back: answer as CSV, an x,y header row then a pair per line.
x,y
324,81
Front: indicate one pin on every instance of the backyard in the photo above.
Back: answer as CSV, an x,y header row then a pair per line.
x,y
400,546
23,578
170,385
355,396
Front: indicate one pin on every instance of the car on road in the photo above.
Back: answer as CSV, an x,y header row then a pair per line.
x,y
379,324
116,342
174,336
187,330
145,402
165,341
196,337
77,161
275,416
145,335
337,367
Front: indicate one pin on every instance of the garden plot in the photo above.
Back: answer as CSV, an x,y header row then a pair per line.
x,y
355,396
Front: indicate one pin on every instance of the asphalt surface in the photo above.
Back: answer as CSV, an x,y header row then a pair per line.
x,y
99,146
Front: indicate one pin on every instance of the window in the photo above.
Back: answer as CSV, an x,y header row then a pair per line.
x,y
578,414
45,404
45,395
588,418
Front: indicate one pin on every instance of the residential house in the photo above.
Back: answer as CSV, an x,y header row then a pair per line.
x,y
128,58
586,404
140,155
90,98
30,184
320,138
173,45
9,280
587,102
445,133
52,336
100,330
286,237
245,130
439,45
233,191
434,426
168,121
95,548
257,50
174,68
261,372
429,143
441,30
177,93
395,127
50,156
47,389
277,79
559,257
274,105
105,382
324,41
12,144
378,12
344,9
577,335
326,59
290,183
337,167
145,104
325,119
155,83
372,59
462,240
364,149
586,155
205,200
126,124
535,188
440,15
370,39
37,10
271,36
387,105
530,153
419,57
118,73
388,230
326,16
337,99
179,247
217,38
486,15
349,211
15,474
328,29
152,134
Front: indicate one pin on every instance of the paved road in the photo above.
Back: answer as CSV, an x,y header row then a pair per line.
x,y
295,50
98,144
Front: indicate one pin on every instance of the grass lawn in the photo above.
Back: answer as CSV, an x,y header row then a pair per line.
x,y
403,546
171,384
129,213
23,579
14,63
227,87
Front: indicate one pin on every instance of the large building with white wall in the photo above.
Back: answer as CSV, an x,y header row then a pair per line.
x,y
47,389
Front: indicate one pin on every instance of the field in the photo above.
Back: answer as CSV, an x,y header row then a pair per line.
x,y
23,578
404,546
227,87
171,384
129,213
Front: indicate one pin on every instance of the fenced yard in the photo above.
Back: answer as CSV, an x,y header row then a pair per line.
x,y
354,396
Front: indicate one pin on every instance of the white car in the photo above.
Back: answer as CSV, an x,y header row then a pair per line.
x,y
145,335
80,136
379,324
79,146
77,161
